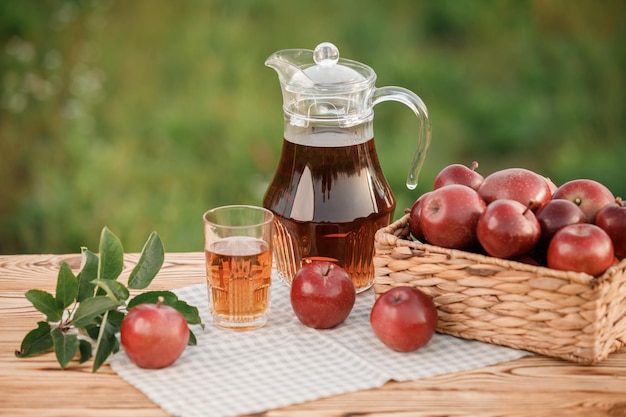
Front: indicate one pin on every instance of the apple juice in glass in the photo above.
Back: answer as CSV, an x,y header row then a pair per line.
x,y
238,253
329,195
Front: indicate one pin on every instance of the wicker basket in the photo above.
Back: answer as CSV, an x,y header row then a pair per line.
x,y
568,315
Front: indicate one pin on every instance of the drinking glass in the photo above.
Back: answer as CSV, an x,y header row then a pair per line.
x,y
238,252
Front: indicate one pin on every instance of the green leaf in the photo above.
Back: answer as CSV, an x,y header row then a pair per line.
x,y
149,264
67,286
190,312
91,308
169,298
92,330
115,290
107,344
46,303
65,346
36,341
84,347
111,255
192,339
88,273
116,317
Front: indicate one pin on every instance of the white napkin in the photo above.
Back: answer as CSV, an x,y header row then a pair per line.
x,y
231,373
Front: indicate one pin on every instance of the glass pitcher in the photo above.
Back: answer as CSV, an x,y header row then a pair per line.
x,y
329,195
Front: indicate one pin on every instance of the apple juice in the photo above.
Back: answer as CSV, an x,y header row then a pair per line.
x,y
329,197
239,278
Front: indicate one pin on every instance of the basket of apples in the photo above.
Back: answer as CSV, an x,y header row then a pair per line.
x,y
512,259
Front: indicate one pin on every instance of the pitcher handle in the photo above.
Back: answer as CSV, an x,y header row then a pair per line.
x,y
416,104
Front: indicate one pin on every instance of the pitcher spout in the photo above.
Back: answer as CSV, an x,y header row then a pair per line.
x,y
289,64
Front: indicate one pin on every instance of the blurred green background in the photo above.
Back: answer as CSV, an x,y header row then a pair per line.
x,y
141,114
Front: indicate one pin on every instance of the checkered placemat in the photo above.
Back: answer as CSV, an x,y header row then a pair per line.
x,y
231,373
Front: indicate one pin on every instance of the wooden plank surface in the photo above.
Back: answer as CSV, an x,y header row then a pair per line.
x,y
532,386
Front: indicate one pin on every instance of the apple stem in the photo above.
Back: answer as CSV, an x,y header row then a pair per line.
x,y
160,300
619,201
531,204
474,165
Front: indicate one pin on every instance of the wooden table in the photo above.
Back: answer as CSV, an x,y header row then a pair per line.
x,y
531,386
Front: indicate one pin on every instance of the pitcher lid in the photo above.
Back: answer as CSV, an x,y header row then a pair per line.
x,y
320,85
321,68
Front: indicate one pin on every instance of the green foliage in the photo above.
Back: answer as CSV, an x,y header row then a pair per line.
x,y
87,323
46,303
37,340
143,114
65,346
67,286
148,266
111,256
87,275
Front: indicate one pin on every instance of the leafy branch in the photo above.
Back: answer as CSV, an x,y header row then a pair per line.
x,y
84,316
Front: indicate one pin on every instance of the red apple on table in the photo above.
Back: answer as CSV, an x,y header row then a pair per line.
x,y
415,224
508,229
404,318
154,335
322,294
518,184
612,219
459,174
556,214
587,194
581,248
449,216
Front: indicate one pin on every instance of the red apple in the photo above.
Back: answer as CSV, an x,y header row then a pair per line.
x,y
612,219
551,185
581,248
508,229
404,318
415,224
529,259
556,214
517,184
154,335
587,194
449,215
459,174
322,294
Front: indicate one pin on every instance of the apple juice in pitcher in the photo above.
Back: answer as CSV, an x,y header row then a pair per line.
x,y
329,195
